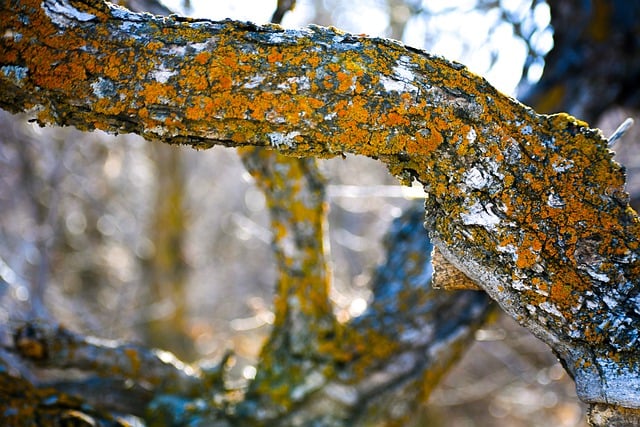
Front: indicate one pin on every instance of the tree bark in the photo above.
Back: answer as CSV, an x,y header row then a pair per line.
x,y
530,207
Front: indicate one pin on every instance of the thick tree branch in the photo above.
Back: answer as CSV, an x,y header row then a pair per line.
x,y
530,207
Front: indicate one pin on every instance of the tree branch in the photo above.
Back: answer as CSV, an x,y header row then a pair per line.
x,y
380,367
530,207
303,341
56,347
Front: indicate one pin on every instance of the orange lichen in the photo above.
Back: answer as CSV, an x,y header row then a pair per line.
x,y
275,56
394,119
195,112
314,61
202,58
526,258
157,93
194,78
344,81
225,82
552,179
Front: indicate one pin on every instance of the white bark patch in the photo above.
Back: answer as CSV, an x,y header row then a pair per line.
x,y
275,38
610,301
103,88
484,176
479,214
162,75
400,81
598,276
157,130
551,309
130,27
475,178
403,73
509,249
519,285
278,139
392,85
526,130
300,83
471,136
15,73
254,82
562,165
62,13
555,201
200,47
124,14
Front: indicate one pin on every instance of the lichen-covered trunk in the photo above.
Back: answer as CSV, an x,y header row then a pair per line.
x,y
530,207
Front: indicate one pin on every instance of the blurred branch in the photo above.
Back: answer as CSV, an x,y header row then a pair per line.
x,y
165,273
56,347
304,328
44,210
595,60
23,404
411,334
282,8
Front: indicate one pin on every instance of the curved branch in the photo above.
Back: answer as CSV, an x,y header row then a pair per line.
x,y
24,404
530,207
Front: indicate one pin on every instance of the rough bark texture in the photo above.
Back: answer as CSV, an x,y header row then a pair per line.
x,y
530,207
601,415
377,369
593,67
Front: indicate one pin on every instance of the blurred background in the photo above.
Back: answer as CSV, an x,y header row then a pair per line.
x,y
122,238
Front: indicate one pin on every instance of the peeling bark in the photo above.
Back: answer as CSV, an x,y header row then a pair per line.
x,y
530,207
